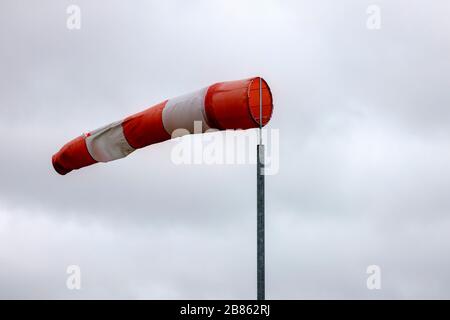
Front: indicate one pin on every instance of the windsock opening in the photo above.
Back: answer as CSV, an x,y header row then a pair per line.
x,y
254,103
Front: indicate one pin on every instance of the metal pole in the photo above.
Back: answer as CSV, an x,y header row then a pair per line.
x,y
260,263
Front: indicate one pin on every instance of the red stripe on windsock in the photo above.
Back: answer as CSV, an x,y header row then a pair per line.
x,y
235,104
146,127
73,155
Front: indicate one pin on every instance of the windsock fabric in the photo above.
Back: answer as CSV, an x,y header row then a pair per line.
x,y
224,105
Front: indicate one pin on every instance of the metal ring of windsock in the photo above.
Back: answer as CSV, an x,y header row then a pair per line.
x,y
224,105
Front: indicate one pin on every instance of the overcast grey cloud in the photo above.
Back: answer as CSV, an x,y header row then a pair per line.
x,y
363,117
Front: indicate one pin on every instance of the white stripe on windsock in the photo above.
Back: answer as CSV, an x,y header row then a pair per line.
x,y
108,143
181,112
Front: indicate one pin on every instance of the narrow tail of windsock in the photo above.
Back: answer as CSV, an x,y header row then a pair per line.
x,y
224,105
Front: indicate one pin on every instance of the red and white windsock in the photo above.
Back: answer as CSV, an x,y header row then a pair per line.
x,y
224,105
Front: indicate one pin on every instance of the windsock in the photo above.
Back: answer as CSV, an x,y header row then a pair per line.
x,y
224,105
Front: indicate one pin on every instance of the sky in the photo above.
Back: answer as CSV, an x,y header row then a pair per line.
x,y
362,116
